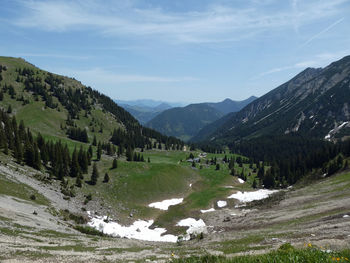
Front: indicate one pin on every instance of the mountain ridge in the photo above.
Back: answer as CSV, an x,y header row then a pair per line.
x,y
186,122
299,105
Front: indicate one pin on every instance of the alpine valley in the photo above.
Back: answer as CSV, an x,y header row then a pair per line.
x,y
261,180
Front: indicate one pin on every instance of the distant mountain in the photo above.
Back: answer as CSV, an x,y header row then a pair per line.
x,y
185,122
315,103
228,105
146,110
149,103
144,113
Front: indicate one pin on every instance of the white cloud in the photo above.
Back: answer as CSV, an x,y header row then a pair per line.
x,y
322,31
216,23
48,55
319,60
99,75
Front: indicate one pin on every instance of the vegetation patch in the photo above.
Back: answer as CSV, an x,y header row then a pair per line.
x,y
283,255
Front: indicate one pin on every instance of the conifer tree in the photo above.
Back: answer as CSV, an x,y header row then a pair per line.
x,y
106,178
78,181
74,168
9,109
114,164
83,161
94,141
37,159
99,151
94,175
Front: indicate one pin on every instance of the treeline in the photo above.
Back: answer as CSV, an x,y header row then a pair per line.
x,y
291,157
50,86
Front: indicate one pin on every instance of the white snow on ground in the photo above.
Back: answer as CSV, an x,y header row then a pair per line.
x,y
138,230
222,203
190,185
251,196
194,226
164,205
241,181
208,210
345,216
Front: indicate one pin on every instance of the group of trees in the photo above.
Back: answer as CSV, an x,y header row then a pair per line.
x,y
53,89
38,152
78,134
291,157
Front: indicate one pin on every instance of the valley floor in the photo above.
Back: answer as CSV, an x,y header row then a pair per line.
x,y
34,231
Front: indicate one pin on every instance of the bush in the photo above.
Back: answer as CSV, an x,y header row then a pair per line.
x,y
89,230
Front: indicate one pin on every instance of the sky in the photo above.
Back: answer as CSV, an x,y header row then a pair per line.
x,y
176,50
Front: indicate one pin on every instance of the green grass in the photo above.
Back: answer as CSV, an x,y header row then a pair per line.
x,y
310,255
21,191
242,244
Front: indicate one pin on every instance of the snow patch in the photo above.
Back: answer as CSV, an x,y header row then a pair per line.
x,y
164,205
194,226
335,130
345,216
190,185
241,181
222,203
208,210
138,230
252,196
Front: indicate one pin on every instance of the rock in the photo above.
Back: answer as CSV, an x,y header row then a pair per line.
x,y
227,219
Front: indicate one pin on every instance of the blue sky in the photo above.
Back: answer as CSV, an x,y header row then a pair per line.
x,y
177,50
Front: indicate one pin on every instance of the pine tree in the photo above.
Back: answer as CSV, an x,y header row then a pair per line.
x,y
94,175
99,151
148,160
254,184
37,159
94,141
217,167
106,178
83,161
114,164
9,109
78,181
74,168
129,155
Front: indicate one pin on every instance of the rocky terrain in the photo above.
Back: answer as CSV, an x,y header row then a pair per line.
x,y
316,213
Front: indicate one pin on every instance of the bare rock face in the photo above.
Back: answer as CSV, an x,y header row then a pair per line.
x,y
312,103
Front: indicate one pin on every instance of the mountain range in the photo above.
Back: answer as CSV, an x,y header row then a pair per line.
x,y
315,103
186,122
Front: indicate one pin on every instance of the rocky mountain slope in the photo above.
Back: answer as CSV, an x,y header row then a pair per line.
x,y
314,103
